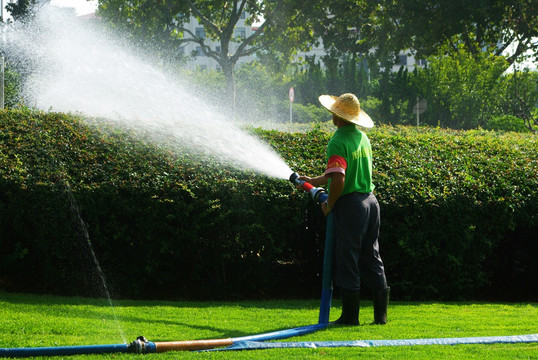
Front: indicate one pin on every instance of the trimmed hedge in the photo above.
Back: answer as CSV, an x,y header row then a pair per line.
x,y
459,215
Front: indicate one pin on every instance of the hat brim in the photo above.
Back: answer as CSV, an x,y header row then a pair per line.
x,y
362,119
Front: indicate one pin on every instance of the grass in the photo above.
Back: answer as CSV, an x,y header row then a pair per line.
x,y
32,321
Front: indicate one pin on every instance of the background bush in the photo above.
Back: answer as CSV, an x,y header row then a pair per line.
x,y
507,123
459,214
12,87
304,114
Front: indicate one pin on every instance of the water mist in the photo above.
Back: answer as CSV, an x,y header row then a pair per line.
x,y
71,65
77,67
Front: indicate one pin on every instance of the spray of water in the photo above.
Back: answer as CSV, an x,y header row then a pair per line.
x,y
86,236
78,68
75,67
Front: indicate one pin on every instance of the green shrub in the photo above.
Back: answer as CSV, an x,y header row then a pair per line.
x,y
452,200
304,114
507,123
458,214
12,88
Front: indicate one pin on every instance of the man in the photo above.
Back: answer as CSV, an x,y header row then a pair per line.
x,y
355,209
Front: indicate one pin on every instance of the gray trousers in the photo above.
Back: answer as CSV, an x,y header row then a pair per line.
x,y
356,248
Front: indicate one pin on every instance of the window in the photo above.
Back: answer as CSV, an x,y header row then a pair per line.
x,y
217,49
240,33
402,60
198,51
200,32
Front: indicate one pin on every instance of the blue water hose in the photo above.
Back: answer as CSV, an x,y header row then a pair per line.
x,y
64,350
484,340
327,277
320,196
282,334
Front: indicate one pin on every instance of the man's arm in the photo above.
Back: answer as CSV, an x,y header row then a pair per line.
x,y
335,190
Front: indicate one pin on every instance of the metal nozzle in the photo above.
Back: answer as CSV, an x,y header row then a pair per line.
x,y
294,177
318,194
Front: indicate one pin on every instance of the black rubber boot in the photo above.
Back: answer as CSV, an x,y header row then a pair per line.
x,y
381,303
351,302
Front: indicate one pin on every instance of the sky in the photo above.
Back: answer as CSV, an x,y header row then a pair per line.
x,y
82,7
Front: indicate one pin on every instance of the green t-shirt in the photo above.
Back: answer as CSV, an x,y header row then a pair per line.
x,y
349,151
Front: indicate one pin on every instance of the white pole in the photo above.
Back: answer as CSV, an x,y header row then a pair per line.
x,y
291,96
1,82
291,114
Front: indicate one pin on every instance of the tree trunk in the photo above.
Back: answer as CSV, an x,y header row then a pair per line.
x,y
229,74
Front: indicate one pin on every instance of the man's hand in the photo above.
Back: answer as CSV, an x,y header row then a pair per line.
x,y
325,208
308,179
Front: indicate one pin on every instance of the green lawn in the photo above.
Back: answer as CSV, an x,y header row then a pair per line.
x,y
32,321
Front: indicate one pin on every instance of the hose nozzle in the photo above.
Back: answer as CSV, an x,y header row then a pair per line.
x,y
318,194
294,177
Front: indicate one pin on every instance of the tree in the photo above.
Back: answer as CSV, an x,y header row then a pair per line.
x,y
522,96
384,28
20,9
463,91
491,26
164,21
474,32
344,28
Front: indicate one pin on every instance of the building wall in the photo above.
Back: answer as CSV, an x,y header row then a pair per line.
x,y
204,62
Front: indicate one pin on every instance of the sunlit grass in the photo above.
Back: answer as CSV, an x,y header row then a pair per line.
x,y
32,321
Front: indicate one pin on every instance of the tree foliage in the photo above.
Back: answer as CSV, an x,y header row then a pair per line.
x,y
384,28
491,26
523,88
463,90
20,9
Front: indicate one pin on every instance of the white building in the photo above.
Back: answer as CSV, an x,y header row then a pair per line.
x,y
407,60
243,31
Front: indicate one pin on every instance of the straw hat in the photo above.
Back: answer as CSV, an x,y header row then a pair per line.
x,y
347,107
